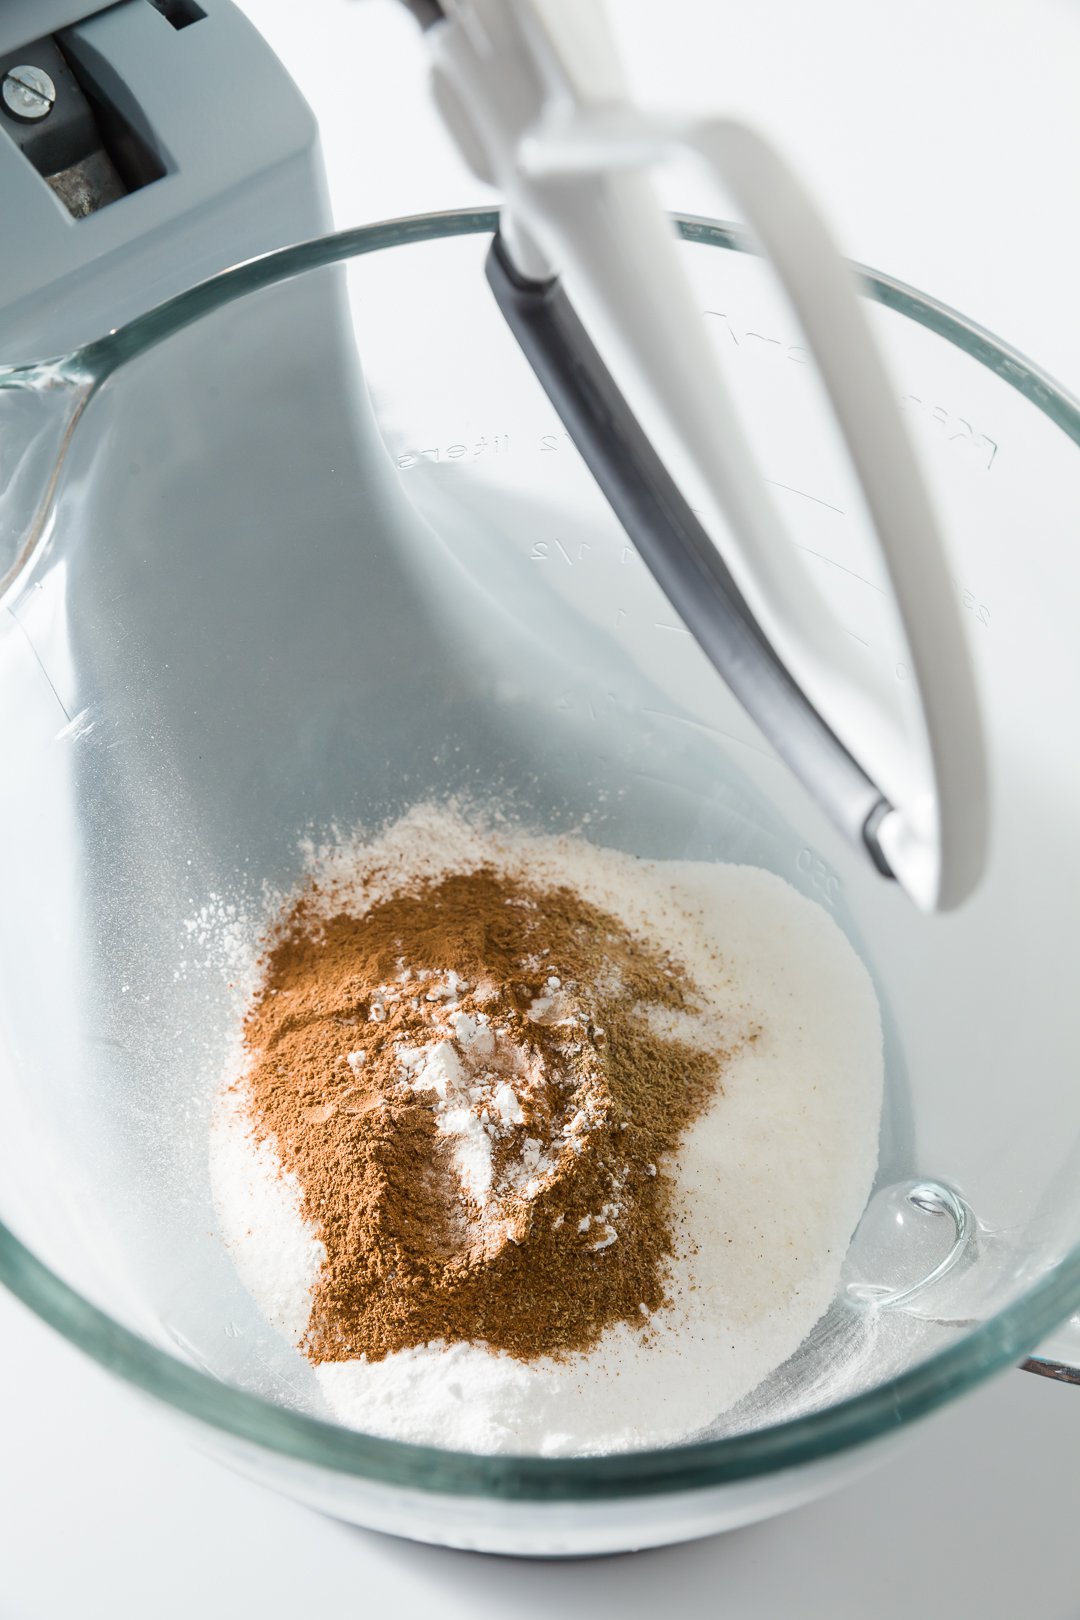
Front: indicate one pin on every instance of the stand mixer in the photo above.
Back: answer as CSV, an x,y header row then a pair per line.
x,y
250,594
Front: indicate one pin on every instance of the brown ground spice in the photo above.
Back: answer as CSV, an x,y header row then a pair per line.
x,y
409,1257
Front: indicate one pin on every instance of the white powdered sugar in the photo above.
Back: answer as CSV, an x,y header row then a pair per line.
x,y
769,1181
275,1252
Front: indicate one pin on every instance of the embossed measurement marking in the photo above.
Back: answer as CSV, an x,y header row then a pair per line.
x,y
542,552
955,428
817,500
822,880
713,731
832,562
497,445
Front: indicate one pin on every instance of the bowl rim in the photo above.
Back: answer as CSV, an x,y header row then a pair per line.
x,y
1002,1340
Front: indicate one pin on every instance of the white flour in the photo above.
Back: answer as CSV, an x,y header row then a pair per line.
x,y
770,1181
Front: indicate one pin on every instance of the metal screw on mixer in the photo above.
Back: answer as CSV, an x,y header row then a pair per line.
x,y
28,92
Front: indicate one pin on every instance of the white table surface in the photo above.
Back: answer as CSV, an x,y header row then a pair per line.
x,y
104,1510
106,1513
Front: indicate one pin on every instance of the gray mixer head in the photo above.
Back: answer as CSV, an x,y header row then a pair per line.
x,y
143,146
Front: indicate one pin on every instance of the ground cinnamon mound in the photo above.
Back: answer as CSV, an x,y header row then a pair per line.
x,y
476,1085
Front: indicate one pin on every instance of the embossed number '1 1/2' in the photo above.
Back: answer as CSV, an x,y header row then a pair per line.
x,y
822,881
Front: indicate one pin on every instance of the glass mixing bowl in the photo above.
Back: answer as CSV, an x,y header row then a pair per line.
x,y
306,545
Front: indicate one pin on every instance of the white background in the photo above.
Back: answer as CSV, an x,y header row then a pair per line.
x,y
942,136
